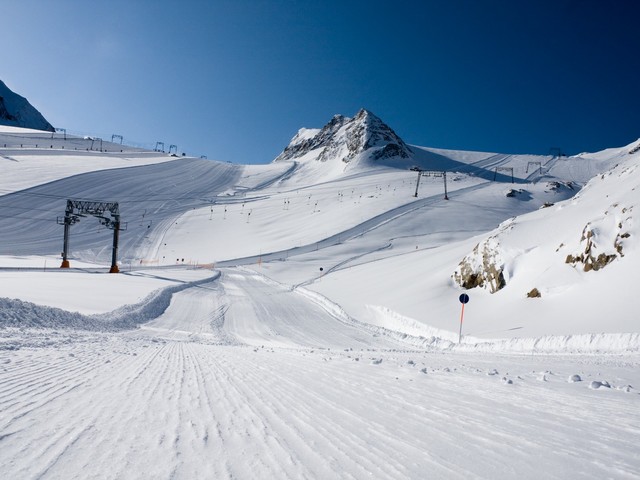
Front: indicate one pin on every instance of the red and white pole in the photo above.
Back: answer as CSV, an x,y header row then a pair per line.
x,y
464,298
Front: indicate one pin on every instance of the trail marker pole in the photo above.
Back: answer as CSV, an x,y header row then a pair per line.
x,y
464,298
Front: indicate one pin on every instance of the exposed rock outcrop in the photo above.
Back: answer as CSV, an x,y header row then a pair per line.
x,y
602,242
482,268
16,111
485,265
343,138
534,293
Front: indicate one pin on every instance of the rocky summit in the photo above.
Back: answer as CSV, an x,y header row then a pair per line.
x,y
16,111
343,138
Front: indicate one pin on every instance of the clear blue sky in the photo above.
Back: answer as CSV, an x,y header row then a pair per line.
x,y
235,80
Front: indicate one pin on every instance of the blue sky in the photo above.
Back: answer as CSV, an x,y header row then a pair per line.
x,y
235,80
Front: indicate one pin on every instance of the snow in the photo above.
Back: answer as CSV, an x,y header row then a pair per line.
x,y
300,319
159,408
23,170
12,129
304,134
86,292
16,110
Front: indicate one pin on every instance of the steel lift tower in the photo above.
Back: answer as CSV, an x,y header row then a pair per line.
x,y
81,208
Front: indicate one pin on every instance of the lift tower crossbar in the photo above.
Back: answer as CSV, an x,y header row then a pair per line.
x,y
81,208
432,173
556,152
503,169
533,164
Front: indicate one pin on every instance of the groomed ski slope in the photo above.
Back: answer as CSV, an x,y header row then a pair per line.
x,y
289,321
206,391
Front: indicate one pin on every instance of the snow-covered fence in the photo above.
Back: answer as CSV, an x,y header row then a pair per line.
x,y
61,140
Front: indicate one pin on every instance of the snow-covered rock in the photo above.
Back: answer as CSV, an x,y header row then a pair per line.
x,y
587,232
485,265
342,139
16,111
603,239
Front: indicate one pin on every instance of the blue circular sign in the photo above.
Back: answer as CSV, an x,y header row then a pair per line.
x,y
464,298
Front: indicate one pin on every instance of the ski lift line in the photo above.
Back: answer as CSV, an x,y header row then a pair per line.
x,y
48,212
356,231
30,219
27,209
78,134
130,199
196,195
198,201
22,219
12,207
200,196
205,210
143,198
47,195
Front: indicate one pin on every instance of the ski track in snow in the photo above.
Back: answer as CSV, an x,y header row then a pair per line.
x,y
239,376
244,378
180,409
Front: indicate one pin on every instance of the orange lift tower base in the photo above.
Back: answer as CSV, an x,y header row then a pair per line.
x,y
80,208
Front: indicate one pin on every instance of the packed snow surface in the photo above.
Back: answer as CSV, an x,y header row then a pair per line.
x,y
301,319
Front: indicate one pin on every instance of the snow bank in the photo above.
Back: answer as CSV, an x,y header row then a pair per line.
x,y
419,334
17,313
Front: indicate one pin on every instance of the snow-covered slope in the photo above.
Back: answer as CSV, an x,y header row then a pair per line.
x,y
16,111
334,200
589,232
293,320
345,145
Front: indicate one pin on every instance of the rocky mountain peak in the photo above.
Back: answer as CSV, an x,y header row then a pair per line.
x,y
16,111
343,138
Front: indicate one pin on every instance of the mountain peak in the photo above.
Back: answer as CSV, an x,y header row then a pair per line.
x,y
16,111
344,138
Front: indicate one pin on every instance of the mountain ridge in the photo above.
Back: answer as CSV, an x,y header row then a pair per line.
x,y
16,111
344,138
